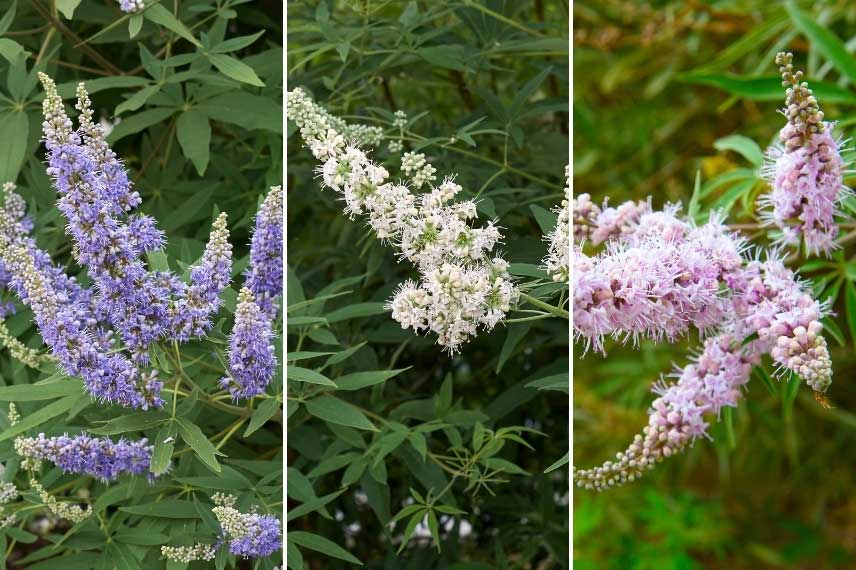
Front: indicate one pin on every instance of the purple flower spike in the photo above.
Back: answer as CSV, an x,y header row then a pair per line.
x,y
97,457
108,377
264,275
250,535
191,313
806,171
713,380
251,354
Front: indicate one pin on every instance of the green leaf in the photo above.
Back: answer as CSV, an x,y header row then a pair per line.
x,y
15,134
305,321
208,518
527,270
263,413
304,355
768,88
545,218
411,526
131,422
69,90
301,374
449,57
344,355
162,452
742,145
354,471
8,17
42,415
406,512
136,123
434,528
333,463
67,7
355,311
56,387
386,444
311,506
158,14
245,110
410,15
358,380
561,45
322,545
194,136
140,537
558,382
165,508
157,260
417,440
727,200
824,41
194,437
563,461
527,90
137,100
11,50
236,69
444,398
760,373
293,557
516,333
234,44
692,209
135,24
339,412
832,328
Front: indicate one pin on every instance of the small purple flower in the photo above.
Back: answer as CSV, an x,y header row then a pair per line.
x,y
97,457
264,275
251,354
131,6
145,234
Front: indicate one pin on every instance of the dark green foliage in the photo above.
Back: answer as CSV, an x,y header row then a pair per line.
x,y
459,442
199,95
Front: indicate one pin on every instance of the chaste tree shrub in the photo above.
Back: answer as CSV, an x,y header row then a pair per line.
x,y
141,268
427,284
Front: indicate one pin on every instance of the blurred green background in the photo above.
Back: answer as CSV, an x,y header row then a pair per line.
x,y
658,86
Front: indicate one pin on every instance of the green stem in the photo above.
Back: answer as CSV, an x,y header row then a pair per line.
x,y
546,306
